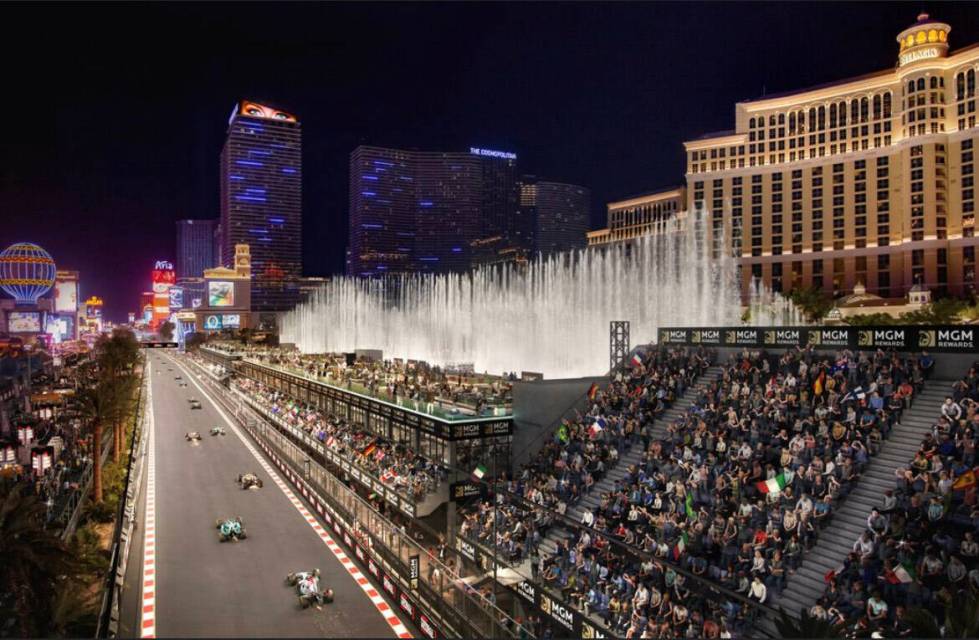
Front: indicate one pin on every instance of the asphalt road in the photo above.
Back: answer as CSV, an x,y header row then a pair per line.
x,y
234,589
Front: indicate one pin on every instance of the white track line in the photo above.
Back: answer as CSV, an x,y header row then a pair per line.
x,y
148,615
378,600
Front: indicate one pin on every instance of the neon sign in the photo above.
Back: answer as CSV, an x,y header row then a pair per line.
x,y
164,265
506,155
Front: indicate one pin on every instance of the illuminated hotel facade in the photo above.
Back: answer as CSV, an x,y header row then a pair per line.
x,y
261,200
639,216
428,211
868,180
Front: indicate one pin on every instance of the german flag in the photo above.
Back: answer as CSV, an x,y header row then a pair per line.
x,y
369,449
593,391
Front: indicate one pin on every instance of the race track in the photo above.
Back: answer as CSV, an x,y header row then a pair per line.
x,y
207,588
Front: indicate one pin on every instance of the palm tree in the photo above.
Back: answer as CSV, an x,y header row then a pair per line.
x,y
99,405
34,562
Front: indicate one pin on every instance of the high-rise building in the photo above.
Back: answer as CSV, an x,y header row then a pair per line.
x,y
868,180
554,216
420,211
638,216
195,247
261,198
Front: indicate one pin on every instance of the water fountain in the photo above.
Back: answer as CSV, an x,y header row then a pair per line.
x,y
550,317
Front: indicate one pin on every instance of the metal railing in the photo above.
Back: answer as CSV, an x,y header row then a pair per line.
x,y
108,622
447,595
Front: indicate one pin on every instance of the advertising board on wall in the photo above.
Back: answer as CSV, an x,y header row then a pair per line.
x,y
220,293
907,338
24,322
66,296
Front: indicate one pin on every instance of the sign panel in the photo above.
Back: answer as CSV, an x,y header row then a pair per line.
x,y
176,298
906,338
24,322
231,320
66,296
212,322
220,293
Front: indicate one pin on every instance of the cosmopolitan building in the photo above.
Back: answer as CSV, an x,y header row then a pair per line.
x,y
261,199
869,180
195,247
428,211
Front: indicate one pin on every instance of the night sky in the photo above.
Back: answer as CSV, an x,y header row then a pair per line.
x,y
116,113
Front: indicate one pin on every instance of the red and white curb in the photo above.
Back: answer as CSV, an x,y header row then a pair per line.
x,y
148,618
382,605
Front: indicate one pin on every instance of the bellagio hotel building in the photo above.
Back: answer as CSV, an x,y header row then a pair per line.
x,y
868,180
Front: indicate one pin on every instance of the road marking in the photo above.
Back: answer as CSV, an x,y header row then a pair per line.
x,y
148,622
382,606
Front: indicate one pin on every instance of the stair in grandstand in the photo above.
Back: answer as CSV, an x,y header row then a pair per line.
x,y
633,456
806,585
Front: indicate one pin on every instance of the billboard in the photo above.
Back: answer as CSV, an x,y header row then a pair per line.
x,y
231,321
196,302
60,327
176,297
212,323
24,322
944,338
93,307
66,296
220,293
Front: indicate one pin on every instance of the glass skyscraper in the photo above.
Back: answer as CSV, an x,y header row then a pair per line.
x,y
195,247
425,211
261,197
558,214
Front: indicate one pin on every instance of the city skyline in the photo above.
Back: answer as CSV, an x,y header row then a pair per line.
x,y
614,133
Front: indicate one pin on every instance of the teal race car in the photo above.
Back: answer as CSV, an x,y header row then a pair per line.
x,y
231,529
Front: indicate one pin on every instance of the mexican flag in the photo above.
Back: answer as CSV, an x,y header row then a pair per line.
x,y
478,473
775,485
901,574
681,544
636,360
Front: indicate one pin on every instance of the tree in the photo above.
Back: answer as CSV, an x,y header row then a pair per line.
x,y
98,403
961,619
813,302
117,356
35,561
195,340
166,331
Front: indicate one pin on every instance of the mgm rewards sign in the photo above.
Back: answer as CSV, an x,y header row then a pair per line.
x,y
946,338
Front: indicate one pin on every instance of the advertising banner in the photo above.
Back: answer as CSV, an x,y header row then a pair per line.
x,y
231,321
908,338
24,322
220,293
212,323
176,298
66,296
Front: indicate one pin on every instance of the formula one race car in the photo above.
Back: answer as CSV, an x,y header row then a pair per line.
x,y
249,480
307,585
231,529
195,403
218,431
193,436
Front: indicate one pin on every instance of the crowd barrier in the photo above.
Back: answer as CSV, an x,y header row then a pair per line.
x,y
937,338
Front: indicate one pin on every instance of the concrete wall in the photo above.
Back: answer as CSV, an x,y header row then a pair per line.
x,y
538,408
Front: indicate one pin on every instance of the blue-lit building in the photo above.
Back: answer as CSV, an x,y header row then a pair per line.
x,y
261,200
195,247
428,211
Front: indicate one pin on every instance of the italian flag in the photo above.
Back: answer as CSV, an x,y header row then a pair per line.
x,y
636,360
901,574
681,544
774,485
479,472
